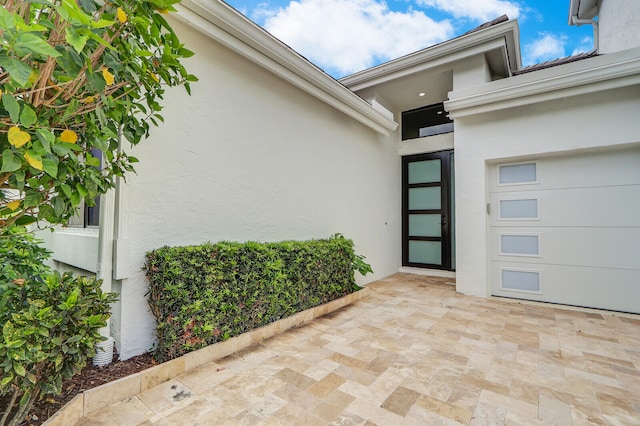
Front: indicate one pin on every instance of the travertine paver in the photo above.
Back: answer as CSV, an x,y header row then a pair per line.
x,y
414,353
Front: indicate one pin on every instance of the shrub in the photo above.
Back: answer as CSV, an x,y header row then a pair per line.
x,y
204,294
50,324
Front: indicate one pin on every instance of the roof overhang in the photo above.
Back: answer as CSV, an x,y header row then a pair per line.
x,y
606,72
228,27
499,42
583,9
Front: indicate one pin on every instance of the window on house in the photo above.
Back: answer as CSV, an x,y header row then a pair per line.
x,y
426,121
88,216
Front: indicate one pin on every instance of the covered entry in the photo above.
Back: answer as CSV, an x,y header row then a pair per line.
x,y
566,229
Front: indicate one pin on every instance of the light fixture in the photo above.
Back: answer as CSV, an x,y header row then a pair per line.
x,y
421,94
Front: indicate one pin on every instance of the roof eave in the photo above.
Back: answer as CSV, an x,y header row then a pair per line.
x,y
228,27
607,72
583,9
507,31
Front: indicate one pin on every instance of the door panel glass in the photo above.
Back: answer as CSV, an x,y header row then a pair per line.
x,y
424,171
429,252
425,198
519,244
425,225
519,209
517,173
520,280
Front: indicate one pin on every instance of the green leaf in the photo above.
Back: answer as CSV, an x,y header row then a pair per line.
x,y
8,329
70,61
10,161
25,220
102,23
5,381
12,106
70,11
18,70
50,166
82,190
32,378
28,116
100,40
93,161
19,369
101,143
96,81
29,42
66,189
46,212
46,137
75,198
31,199
7,20
16,343
76,38
24,399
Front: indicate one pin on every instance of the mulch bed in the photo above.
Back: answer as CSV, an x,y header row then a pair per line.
x,y
90,377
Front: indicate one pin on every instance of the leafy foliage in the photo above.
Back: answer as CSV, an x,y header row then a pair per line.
x,y
50,324
204,294
75,76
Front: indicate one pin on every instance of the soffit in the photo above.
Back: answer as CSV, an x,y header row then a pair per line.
x,y
402,94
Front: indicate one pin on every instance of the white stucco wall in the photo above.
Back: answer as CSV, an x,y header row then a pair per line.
x,y
249,157
619,21
593,121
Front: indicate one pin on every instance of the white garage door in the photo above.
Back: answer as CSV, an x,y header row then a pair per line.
x,y
567,230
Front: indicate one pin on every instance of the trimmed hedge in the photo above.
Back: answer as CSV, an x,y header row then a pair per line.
x,y
204,294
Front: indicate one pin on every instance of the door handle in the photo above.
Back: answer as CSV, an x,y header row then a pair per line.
x,y
444,220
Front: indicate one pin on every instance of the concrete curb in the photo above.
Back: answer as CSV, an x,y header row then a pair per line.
x,y
102,396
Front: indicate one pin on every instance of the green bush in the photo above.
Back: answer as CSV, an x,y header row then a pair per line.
x,y
50,324
204,294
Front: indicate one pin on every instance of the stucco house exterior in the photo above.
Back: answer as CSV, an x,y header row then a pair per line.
x,y
453,161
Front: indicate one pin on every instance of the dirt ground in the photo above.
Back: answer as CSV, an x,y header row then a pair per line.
x,y
90,377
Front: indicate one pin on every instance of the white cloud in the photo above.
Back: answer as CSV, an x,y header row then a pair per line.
x,y
586,45
477,10
344,36
547,47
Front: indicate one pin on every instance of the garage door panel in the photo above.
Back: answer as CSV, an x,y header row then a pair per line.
x,y
598,206
572,229
578,170
577,286
599,247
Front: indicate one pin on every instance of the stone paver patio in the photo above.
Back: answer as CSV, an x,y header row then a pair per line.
x,y
414,353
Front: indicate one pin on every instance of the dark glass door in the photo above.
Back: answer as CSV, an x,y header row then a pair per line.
x,y
426,205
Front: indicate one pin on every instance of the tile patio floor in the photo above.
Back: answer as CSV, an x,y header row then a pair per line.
x,y
414,353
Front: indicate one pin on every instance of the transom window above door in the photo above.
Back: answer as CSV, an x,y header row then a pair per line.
x,y
426,121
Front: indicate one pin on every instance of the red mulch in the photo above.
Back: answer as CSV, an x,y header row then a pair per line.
x,y
90,377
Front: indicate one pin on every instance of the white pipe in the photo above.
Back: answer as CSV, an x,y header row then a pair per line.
x,y
109,221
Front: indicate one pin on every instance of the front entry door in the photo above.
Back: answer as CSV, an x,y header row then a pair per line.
x,y
427,214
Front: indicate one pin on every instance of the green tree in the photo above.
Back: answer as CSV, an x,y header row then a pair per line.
x,y
76,77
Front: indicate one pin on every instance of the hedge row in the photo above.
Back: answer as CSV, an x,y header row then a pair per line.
x,y
204,294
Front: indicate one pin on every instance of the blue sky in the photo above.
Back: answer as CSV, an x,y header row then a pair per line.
x,y
345,36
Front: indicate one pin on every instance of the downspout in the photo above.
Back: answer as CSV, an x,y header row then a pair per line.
x,y
594,22
109,222
104,350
